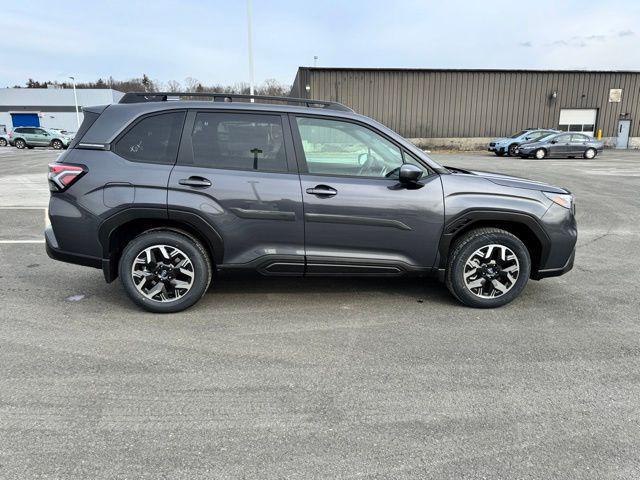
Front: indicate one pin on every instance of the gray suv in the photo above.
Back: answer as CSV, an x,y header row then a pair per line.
x,y
167,194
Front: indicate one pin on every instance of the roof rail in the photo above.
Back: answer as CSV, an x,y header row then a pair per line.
x,y
141,97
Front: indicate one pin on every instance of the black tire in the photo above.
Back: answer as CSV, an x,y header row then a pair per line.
x,y
499,153
512,149
3,142
20,143
540,153
192,248
587,155
462,251
56,144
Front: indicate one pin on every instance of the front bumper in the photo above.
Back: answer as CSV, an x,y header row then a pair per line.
x,y
555,272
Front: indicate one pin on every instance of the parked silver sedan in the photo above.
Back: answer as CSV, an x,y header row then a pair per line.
x,y
563,145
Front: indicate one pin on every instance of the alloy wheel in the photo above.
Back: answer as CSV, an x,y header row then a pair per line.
x,y
590,153
162,273
491,271
540,153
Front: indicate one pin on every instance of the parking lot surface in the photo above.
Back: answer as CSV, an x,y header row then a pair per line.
x,y
326,378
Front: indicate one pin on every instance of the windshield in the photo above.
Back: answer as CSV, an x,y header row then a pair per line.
x,y
519,134
545,136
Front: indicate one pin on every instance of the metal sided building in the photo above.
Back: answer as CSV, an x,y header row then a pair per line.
x,y
441,108
48,107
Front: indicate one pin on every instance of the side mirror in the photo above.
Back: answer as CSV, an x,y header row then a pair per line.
x,y
409,173
554,141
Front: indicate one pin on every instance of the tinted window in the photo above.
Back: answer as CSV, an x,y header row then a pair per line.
x,y
153,139
239,141
18,130
520,133
333,147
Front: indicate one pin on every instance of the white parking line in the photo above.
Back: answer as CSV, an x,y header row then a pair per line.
x,y
5,242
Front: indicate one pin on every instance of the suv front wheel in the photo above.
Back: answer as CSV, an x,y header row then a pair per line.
x,y
488,268
165,271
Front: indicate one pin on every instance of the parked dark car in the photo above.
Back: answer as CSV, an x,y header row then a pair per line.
x,y
565,145
508,145
165,194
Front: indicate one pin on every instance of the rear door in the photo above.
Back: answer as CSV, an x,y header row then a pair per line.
x,y
579,143
236,171
358,217
29,135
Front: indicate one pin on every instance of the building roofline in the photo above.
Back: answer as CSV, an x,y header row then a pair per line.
x,y
470,70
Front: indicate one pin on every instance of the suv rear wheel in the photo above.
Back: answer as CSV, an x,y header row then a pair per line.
x,y
488,267
20,143
165,271
57,144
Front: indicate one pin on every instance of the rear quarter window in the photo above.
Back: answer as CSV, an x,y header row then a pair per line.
x,y
153,139
89,119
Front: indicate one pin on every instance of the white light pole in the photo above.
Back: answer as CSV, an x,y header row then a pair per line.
x,y
75,97
250,47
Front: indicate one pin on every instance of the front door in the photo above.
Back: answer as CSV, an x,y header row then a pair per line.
x,y
41,137
237,172
358,217
560,146
622,140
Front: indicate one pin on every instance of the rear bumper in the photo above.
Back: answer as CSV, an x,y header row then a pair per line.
x,y
54,252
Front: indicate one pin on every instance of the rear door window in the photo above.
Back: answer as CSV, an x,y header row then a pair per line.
x,y
154,139
239,141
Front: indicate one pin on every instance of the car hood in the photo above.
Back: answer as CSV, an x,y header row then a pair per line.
x,y
509,181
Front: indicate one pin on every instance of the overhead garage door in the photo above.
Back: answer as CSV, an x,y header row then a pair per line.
x,y
25,120
578,120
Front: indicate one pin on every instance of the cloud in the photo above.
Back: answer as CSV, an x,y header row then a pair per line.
x,y
525,44
626,33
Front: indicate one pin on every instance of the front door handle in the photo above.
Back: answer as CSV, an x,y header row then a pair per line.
x,y
322,191
197,182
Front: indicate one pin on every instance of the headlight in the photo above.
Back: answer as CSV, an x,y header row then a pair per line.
x,y
564,200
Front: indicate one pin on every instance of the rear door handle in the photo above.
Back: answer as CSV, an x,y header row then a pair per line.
x,y
322,190
197,182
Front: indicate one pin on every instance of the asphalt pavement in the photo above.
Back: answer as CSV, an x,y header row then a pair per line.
x,y
326,378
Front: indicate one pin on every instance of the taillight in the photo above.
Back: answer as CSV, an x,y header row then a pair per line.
x,y
10,134
62,176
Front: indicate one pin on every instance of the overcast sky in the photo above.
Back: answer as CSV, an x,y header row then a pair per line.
x,y
207,40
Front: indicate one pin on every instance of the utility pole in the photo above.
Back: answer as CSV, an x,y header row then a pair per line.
x,y
75,97
315,60
250,38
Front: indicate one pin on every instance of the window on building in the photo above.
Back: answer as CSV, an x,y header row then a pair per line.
x,y
239,141
153,139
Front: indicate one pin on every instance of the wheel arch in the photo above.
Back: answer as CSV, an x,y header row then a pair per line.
x,y
119,229
522,225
